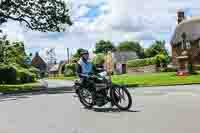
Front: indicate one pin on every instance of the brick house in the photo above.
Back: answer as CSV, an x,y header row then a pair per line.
x,y
40,64
186,39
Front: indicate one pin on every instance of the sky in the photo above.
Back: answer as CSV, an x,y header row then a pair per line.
x,y
116,20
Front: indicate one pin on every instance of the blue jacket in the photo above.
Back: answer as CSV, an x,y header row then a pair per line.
x,y
84,68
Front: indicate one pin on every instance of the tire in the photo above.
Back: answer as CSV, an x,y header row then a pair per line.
x,y
116,98
83,100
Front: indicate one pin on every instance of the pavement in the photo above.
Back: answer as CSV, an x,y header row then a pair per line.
x,y
63,113
164,109
169,112
57,83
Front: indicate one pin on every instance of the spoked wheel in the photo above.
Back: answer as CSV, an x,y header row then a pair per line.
x,y
121,98
86,97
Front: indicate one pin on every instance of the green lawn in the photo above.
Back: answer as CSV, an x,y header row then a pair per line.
x,y
155,79
147,79
19,87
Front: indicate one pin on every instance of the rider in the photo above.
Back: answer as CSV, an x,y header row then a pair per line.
x,y
84,67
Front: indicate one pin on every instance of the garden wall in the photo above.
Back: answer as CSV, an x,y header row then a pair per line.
x,y
144,69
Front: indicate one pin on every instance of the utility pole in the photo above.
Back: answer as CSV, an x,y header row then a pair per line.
x,y
68,55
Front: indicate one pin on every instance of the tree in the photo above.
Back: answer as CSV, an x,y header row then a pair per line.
x,y
78,52
39,15
99,59
12,52
104,46
131,46
158,47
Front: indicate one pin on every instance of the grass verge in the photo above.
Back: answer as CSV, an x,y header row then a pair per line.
x,y
20,87
155,79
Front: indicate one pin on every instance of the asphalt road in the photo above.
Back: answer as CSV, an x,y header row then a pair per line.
x,y
62,113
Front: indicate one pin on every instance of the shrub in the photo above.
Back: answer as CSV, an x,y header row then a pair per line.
x,y
8,74
70,70
142,62
169,69
25,76
35,71
99,59
157,60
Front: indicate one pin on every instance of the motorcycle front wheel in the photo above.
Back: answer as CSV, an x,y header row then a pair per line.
x,y
86,97
121,97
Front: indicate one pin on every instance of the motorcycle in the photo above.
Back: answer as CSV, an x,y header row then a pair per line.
x,y
92,92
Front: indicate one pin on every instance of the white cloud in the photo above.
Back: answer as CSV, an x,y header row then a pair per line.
x,y
142,20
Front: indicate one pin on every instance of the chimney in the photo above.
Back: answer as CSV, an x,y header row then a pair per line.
x,y
36,54
180,16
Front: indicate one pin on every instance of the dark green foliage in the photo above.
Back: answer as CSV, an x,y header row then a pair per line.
x,y
70,70
104,46
158,47
8,74
78,53
27,77
157,60
142,62
13,73
13,66
168,69
131,46
99,59
40,15
12,52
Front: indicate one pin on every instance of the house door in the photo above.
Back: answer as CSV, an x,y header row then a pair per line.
x,y
123,68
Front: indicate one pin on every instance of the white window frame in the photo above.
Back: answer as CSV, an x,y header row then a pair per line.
x,y
182,45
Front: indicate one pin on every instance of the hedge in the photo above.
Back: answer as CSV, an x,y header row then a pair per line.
x,y
169,69
8,75
142,62
13,74
20,87
70,70
157,60
99,59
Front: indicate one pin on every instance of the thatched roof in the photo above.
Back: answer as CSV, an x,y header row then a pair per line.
x,y
190,26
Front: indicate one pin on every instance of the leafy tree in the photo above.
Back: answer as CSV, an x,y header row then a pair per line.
x,y
78,52
12,52
158,47
104,46
131,46
99,59
39,15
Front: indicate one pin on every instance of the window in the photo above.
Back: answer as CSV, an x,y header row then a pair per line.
x,y
188,46
182,45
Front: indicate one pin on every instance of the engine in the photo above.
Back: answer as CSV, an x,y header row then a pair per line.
x,y
101,97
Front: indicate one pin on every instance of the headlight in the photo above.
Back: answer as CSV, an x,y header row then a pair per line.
x,y
107,77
